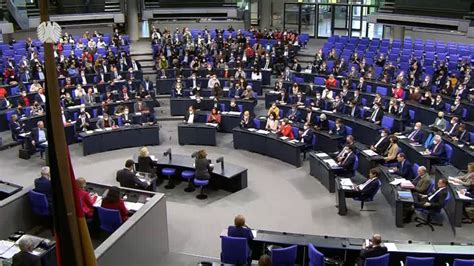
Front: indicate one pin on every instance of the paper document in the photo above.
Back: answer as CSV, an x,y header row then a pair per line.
x,y
98,201
346,182
5,245
261,131
10,252
326,111
153,157
390,247
315,108
293,141
331,163
284,138
234,113
462,196
251,129
224,112
370,152
397,181
391,171
254,233
322,154
406,184
134,206
401,137
212,124
416,144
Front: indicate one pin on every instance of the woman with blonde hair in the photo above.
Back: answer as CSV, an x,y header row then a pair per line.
x,y
202,165
145,162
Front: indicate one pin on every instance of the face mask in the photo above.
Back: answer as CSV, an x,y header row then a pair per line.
x,y
382,134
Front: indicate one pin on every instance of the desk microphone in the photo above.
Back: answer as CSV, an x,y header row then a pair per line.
x,y
221,160
168,153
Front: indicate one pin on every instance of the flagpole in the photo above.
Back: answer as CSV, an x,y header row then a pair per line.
x,y
64,212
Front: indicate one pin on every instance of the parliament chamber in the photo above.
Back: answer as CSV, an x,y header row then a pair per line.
x,y
216,134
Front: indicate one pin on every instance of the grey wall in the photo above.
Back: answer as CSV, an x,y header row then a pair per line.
x,y
15,214
74,30
141,240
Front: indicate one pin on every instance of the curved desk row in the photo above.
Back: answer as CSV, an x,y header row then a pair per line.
x,y
197,134
270,144
165,86
179,106
123,137
229,120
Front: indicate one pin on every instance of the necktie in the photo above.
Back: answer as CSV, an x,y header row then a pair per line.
x,y
413,134
374,115
353,111
452,129
345,159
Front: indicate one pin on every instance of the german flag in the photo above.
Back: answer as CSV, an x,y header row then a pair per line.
x,y
73,243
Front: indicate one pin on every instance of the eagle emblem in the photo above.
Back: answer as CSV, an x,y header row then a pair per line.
x,y
49,32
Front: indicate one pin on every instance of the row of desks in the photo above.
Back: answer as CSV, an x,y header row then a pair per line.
x,y
165,86
179,106
187,72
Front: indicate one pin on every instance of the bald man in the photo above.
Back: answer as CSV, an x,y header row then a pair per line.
x,y
373,249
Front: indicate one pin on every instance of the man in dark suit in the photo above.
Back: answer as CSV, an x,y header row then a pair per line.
x,y
15,127
462,135
373,249
403,168
24,257
127,178
353,109
366,189
147,84
416,135
381,145
435,200
437,149
377,115
439,103
43,184
348,162
338,105
453,130
403,113
39,135
339,129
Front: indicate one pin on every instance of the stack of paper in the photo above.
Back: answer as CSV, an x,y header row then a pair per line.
x,y
264,132
293,141
134,206
331,163
462,196
10,252
5,245
391,246
370,152
346,182
406,184
414,144
397,181
321,154
224,112
212,124
98,201
251,129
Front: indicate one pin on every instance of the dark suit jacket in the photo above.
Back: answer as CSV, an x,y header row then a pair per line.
x,y
307,139
339,108
404,115
340,132
405,171
437,201
369,189
38,98
203,169
126,178
323,125
43,185
35,133
439,107
379,115
16,128
382,147
439,151
146,164
348,164
24,258
418,137
370,252
249,124
244,232
356,111
79,124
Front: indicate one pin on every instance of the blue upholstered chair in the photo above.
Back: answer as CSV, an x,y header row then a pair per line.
x,y
169,172
369,198
201,183
416,261
109,219
460,262
188,176
378,261
316,258
234,250
39,203
284,256
429,215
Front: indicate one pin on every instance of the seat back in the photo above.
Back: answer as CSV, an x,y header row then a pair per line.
x,y
110,219
378,261
348,130
256,123
356,163
295,132
222,107
284,256
411,113
316,258
39,203
415,261
331,124
431,187
234,250
313,141
381,90
414,168
460,262
449,152
387,122
428,140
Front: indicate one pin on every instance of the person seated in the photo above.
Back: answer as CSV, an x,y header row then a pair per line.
x,y
39,136
467,179
366,189
404,167
248,94
43,185
416,135
16,127
189,117
462,136
323,123
292,113
286,129
381,145
178,88
433,201
240,229
246,121
114,201
347,164
373,249
274,109
126,117
438,105
233,107
127,177
397,92
390,154
203,166
339,128
436,149
341,155
145,162
422,181
148,117
105,122
25,257
439,123
214,116
86,199
83,121
377,114
338,105
306,135
272,122
456,108
453,130
353,110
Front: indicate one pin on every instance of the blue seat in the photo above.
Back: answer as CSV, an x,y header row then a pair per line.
x,y
378,261
256,123
381,90
109,219
319,81
316,258
430,213
284,256
471,138
460,262
234,250
449,152
188,176
369,197
298,80
39,203
348,130
241,108
428,141
411,113
169,172
331,124
295,132
222,107
414,168
387,122
416,261
201,183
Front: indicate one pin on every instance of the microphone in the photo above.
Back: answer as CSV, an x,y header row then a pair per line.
x,y
221,160
168,153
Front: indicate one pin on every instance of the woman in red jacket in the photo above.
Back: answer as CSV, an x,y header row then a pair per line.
x,y
397,92
331,81
115,202
87,202
286,130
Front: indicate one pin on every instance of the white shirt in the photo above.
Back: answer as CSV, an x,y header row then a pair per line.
x,y
191,119
434,194
380,141
362,186
256,76
43,97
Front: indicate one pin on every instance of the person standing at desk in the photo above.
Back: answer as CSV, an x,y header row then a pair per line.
x,y
202,165
127,177
246,121
113,200
145,162
439,123
87,201
306,136
189,116
373,249
126,117
43,185
272,122
285,129
391,153
105,122
382,143
422,181
25,257
404,167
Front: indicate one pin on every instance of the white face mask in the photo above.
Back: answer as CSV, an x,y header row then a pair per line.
x,y
382,134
